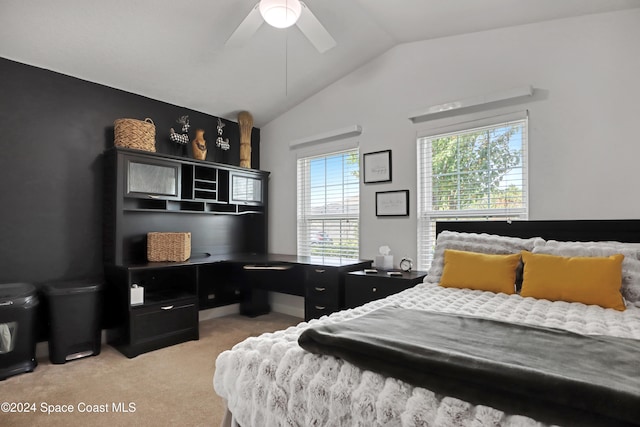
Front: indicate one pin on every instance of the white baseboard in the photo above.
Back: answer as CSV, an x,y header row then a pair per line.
x,y
280,303
287,304
212,313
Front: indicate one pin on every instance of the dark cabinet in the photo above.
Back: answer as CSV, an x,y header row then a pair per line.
x,y
167,316
246,189
149,178
361,288
164,324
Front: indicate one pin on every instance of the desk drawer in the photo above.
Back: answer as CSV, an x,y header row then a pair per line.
x,y
323,293
322,276
315,310
163,320
285,278
327,293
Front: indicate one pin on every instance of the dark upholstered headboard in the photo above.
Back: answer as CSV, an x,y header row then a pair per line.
x,y
627,230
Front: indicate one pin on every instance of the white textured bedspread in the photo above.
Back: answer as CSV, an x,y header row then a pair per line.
x,y
271,381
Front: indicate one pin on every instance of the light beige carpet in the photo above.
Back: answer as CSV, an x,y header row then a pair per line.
x,y
168,387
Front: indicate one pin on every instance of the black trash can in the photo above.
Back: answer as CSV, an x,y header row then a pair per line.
x,y
18,305
74,313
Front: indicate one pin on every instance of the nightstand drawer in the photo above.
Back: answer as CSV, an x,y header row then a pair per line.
x,y
361,288
356,294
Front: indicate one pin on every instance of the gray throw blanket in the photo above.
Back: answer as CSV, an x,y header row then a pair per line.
x,y
552,375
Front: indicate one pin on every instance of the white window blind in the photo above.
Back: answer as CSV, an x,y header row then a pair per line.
x,y
329,205
473,174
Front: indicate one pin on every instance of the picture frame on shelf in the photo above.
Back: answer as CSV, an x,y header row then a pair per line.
x,y
377,166
392,203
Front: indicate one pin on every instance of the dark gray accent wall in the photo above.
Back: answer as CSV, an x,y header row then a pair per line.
x,y
53,131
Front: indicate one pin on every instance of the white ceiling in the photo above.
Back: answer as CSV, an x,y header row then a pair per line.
x,y
174,51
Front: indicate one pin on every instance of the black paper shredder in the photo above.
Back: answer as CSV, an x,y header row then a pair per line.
x,y
18,315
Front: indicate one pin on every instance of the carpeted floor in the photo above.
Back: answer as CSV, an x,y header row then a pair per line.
x,y
168,387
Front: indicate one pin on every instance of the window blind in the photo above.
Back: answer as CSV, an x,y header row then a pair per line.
x,y
328,205
473,174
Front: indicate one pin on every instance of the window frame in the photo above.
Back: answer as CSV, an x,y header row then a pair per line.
x,y
304,216
427,216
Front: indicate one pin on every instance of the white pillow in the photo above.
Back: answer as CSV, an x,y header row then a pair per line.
x,y
630,249
630,265
473,242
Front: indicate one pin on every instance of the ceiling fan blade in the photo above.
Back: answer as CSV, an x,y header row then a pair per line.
x,y
247,28
314,31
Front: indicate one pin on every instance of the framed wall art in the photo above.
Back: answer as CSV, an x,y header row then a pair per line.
x,y
377,166
392,203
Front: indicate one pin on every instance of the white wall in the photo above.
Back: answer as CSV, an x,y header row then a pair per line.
x,y
584,139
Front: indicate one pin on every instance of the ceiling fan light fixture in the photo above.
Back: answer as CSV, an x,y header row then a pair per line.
x,y
280,13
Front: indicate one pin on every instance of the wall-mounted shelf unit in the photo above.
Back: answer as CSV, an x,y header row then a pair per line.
x,y
147,191
153,182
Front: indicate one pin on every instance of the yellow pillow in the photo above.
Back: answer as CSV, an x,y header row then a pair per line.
x,y
589,280
484,272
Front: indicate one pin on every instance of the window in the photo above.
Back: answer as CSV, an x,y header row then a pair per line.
x,y
473,174
329,205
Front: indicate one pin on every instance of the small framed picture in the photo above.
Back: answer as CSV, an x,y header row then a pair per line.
x,y
392,203
377,166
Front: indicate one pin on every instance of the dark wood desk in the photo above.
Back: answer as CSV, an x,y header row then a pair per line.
x,y
176,291
319,280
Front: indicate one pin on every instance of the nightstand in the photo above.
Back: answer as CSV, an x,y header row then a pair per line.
x,y
361,287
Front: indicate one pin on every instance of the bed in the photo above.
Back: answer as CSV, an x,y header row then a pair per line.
x,y
390,362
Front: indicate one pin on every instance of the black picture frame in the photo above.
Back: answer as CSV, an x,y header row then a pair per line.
x,y
392,203
376,166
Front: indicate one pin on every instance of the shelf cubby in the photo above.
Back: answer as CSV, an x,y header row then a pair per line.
x,y
144,204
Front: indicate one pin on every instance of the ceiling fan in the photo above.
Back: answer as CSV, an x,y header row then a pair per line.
x,y
283,14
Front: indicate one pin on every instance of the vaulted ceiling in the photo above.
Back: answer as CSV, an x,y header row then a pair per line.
x,y
175,51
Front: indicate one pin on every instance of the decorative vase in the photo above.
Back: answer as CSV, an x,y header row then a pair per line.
x,y
199,145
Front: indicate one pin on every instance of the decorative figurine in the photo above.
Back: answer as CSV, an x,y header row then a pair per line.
x,y
181,139
178,138
245,120
221,143
199,145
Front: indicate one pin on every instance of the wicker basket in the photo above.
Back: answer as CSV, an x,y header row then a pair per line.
x,y
168,246
138,134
